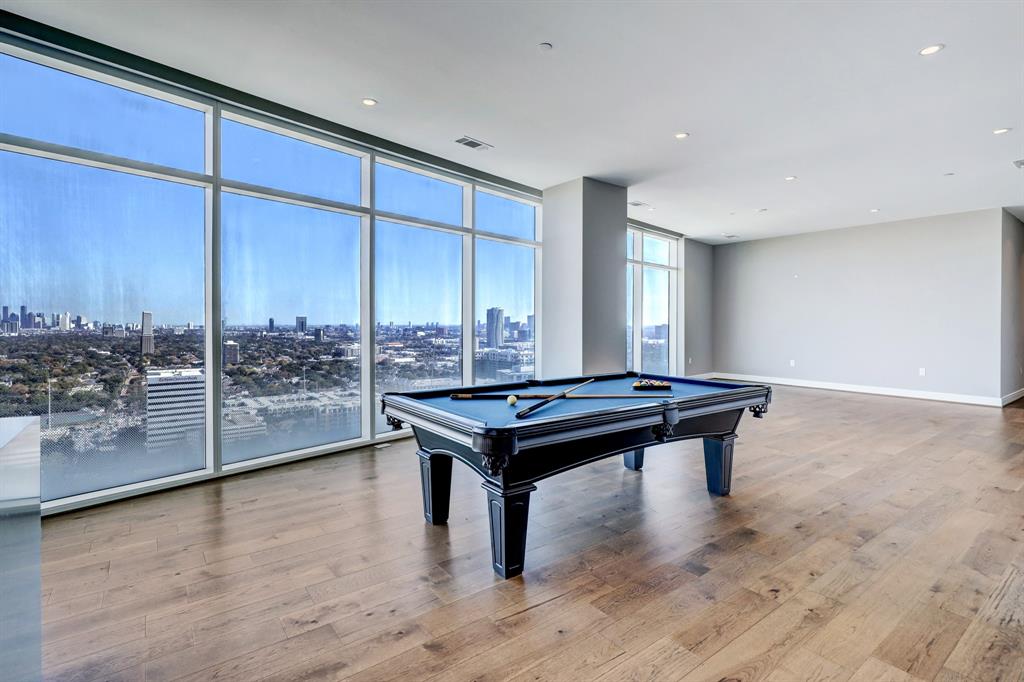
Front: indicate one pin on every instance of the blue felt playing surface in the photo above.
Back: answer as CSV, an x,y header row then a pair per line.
x,y
498,413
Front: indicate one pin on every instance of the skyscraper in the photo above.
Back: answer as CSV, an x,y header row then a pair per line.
x,y
175,406
147,346
300,324
318,334
230,353
495,327
23,318
270,325
530,321
64,322
7,314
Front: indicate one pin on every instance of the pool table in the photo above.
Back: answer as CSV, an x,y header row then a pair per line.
x,y
511,454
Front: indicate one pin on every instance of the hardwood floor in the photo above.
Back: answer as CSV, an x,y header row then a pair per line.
x,y
866,539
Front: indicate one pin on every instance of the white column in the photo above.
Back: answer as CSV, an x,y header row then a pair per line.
x,y
584,296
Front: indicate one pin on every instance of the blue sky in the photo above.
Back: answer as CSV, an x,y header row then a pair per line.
x,y
108,245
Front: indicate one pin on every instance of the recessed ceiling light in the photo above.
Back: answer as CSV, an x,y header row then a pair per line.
x,y
1001,131
762,210
369,102
546,46
790,177
949,174
682,136
931,49
874,210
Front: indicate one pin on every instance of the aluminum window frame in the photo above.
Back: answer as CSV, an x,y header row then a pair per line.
x,y
637,262
216,109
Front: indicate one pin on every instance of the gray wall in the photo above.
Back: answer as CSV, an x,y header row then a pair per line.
x,y
604,267
562,281
697,295
1012,347
866,305
583,298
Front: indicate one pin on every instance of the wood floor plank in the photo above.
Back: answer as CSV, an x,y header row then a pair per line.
x,y
866,538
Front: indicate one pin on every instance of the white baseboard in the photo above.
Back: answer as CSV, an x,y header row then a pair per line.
x,y
1016,395
989,401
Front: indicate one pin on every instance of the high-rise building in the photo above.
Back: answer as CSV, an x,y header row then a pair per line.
x,y
495,327
147,346
300,324
64,322
7,314
23,317
81,322
230,354
318,334
270,325
530,322
175,406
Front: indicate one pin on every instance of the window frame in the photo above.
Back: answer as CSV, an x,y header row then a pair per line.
x,y
215,109
638,264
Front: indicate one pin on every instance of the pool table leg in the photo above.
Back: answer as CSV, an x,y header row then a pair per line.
x,y
509,512
634,460
436,479
718,463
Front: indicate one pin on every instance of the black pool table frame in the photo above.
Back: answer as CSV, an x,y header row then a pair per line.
x,y
511,459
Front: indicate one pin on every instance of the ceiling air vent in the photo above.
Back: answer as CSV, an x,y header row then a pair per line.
x,y
1019,163
474,143
636,203
731,236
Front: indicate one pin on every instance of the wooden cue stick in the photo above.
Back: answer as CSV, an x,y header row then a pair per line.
x,y
539,396
533,408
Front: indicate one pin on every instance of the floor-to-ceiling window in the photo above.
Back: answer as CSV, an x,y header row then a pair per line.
x,y
290,291
102,277
189,286
650,302
504,292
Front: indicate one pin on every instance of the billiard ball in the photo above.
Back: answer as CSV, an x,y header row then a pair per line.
x,y
511,400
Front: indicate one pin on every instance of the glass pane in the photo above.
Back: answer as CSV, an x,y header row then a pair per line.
x,y
656,250
55,106
290,296
654,358
504,340
630,238
417,195
419,309
629,317
260,157
505,216
103,337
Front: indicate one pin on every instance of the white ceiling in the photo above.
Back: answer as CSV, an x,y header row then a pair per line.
x,y
832,92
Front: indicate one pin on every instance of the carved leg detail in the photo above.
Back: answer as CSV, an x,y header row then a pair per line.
x,y
436,478
509,512
718,463
634,460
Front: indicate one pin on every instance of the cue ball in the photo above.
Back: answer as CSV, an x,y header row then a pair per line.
x,y
512,400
